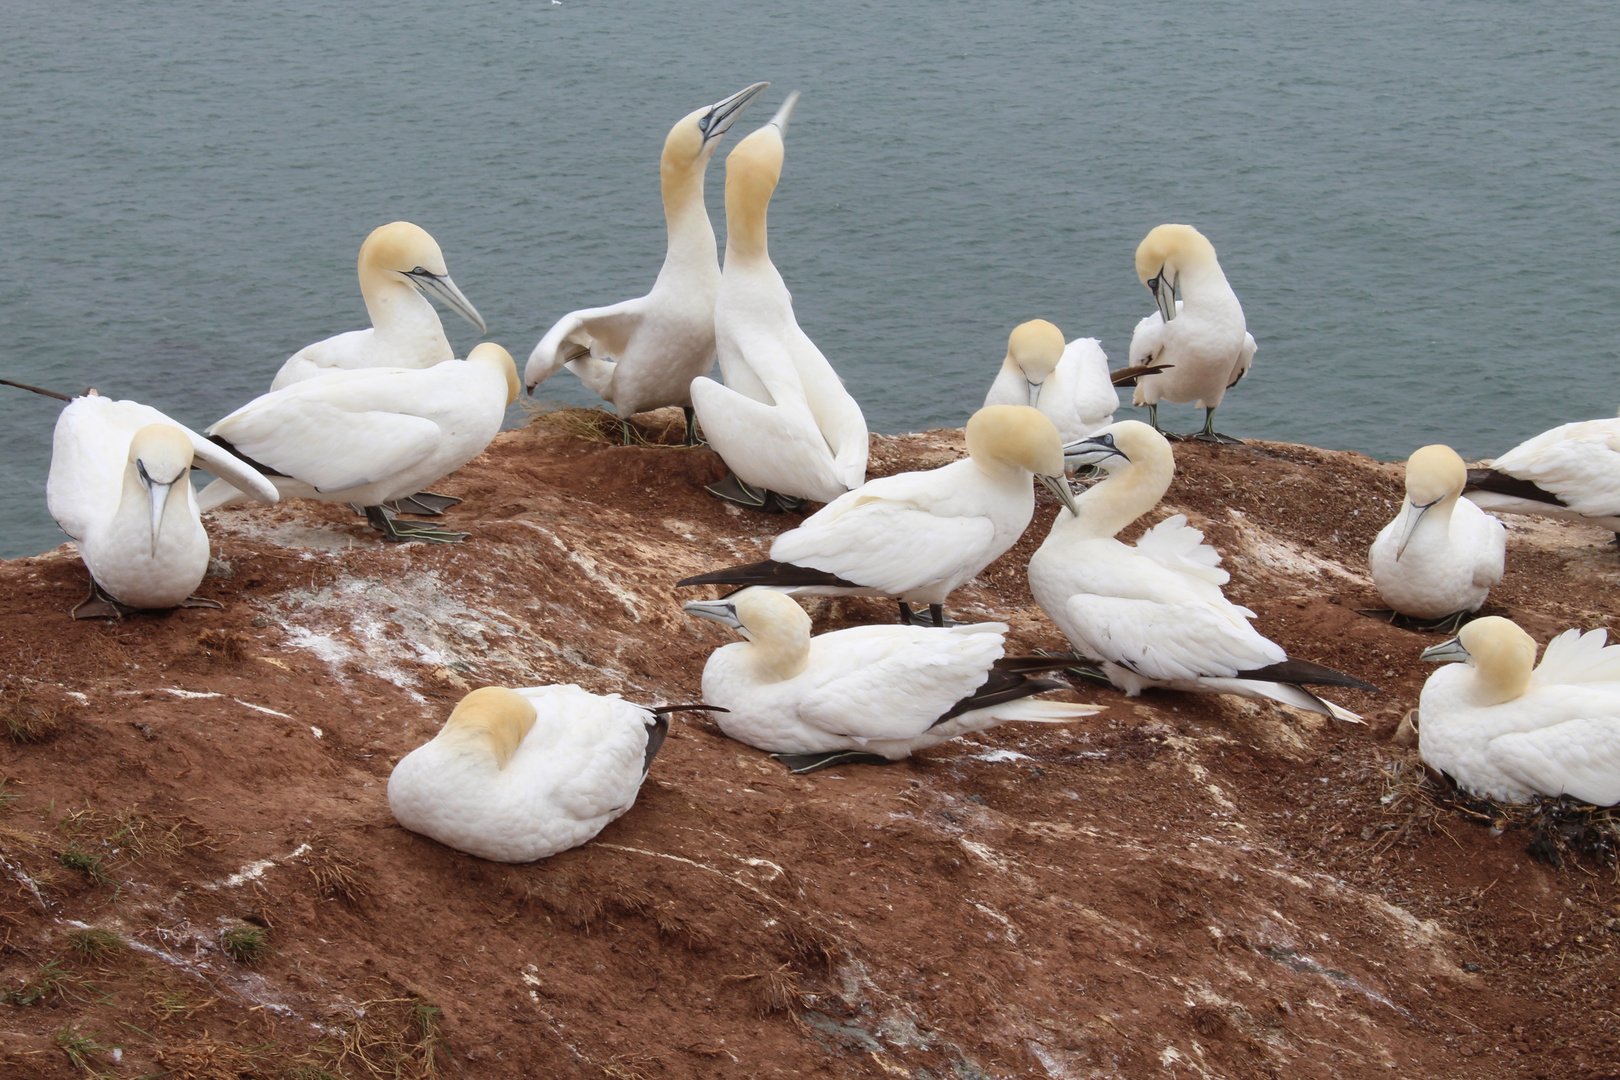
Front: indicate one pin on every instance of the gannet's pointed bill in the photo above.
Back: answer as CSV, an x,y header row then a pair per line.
x,y
1059,486
1446,652
719,117
723,612
1414,514
162,456
1092,451
1164,293
784,114
441,286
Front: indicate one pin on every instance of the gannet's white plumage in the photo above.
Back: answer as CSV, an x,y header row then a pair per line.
x,y
398,263
1068,383
1505,731
371,435
517,775
783,420
1202,336
644,353
1441,554
879,689
1571,472
120,486
1152,613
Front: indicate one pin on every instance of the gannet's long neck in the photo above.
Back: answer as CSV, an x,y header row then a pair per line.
x,y
398,311
686,218
752,170
778,649
1124,496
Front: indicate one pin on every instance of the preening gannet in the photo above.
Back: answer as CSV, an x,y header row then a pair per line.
x,y
372,435
120,486
398,263
1202,338
1571,472
644,353
1505,731
868,693
783,422
518,775
1154,614
918,535
1440,556
1070,384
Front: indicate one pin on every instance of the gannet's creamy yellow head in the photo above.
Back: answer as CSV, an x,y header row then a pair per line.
x,y
752,169
161,456
1435,477
400,252
489,353
493,720
1164,255
1035,348
1020,437
1501,653
774,622
1139,464
691,142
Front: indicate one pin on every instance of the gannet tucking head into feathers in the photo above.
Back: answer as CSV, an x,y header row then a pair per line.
x,y
1506,728
1070,383
868,693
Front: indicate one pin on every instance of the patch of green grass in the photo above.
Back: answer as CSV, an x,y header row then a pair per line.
x,y
245,944
7,797
83,1050
94,942
52,982
76,858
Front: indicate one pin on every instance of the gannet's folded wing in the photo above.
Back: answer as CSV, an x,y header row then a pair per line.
x,y
888,544
324,443
902,681
1175,545
1578,757
1579,463
1574,658
1185,640
88,456
590,333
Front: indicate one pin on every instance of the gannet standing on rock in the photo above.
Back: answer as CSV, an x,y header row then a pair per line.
x,y
1201,339
644,353
120,486
1154,614
869,693
1069,383
783,422
917,536
1505,731
399,262
373,435
518,775
1571,472
1440,556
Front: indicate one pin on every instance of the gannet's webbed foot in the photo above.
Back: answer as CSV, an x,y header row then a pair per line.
x,y
733,489
399,532
808,763
201,602
693,436
934,618
101,605
1209,434
422,504
1445,624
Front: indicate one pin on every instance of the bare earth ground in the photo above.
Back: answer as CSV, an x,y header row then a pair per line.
x,y
1176,887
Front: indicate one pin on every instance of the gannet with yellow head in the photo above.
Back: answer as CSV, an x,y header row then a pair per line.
x,y
869,693
120,486
1153,614
1506,728
399,264
917,536
1441,554
1070,383
1201,338
783,422
644,353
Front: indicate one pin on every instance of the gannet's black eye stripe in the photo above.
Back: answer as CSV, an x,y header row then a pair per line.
x,y
140,467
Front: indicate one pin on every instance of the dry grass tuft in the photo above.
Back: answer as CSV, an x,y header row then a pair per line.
x,y
338,875
662,427
138,834
84,1051
171,1004
227,645
245,944
396,1038
94,942
205,1058
25,718
52,984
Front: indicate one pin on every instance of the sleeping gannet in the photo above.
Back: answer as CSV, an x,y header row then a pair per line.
x,y
1201,338
1505,731
398,263
1571,472
372,435
783,422
644,353
869,693
120,486
518,775
1154,614
1070,384
917,536
1440,556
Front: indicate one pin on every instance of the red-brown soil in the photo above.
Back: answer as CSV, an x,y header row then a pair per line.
x,y
1180,886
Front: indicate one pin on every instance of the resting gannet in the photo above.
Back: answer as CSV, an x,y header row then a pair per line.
x,y
917,536
398,263
372,435
868,693
120,486
644,353
1070,384
1154,614
1201,338
1505,731
518,775
1571,472
1440,556
783,422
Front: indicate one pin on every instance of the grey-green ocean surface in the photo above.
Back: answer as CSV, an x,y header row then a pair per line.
x,y
1418,203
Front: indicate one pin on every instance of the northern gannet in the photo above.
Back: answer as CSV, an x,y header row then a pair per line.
x,y
1440,556
1070,383
1154,614
398,263
518,775
1201,338
916,536
120,486
868,693
372,435
783,422
1505,731
1571,472
644,353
